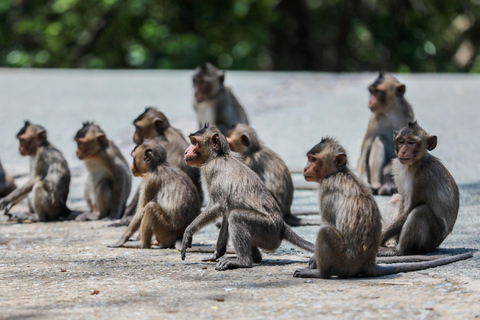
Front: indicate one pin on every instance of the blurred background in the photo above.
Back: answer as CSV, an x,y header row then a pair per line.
x,y
317,35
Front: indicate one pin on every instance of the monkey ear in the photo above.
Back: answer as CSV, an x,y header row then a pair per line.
x,y
431,143
102,140
148,155
245,140
400,90
42,135
216,142
221,77
340,160
158,123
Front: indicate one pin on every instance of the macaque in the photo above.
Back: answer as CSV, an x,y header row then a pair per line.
x,y
390,112
153,124
215,103
270,168
49,182
109,181
168,201
252,218
349,238
7,183
425,209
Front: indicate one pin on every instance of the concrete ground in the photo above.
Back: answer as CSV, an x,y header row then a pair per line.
x,y
65,270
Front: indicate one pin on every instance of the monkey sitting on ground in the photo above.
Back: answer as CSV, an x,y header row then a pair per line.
x,y
109,181
251,217
215,103
168,201
390,112
49,182
425,209
153,124
7,183
348,240
270,168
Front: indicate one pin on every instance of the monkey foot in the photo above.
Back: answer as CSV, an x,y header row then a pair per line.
x,y
307,273
226,263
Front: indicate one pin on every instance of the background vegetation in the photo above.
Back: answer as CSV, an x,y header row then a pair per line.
x,y
320,35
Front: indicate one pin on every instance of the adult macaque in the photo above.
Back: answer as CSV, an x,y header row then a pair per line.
x,y
425,209
348,240
251,217
390,112
109,180
153,124
49,182
215,103
270,168
7,183
168,201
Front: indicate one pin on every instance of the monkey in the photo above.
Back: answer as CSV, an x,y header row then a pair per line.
x,y
251,217
425,209
48,186
169,200
270,168
108,185
7,183
390,112
153,124
349,237
214,103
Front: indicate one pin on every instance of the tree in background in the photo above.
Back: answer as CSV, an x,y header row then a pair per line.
x,y
320,35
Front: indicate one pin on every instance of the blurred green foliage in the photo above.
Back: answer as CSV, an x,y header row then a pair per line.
x,y
320,35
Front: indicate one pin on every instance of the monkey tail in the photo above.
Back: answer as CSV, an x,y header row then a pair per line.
x,y
295,239
380,270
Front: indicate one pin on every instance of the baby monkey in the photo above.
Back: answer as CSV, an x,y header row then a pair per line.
x,y
426,207
270,168
348,240
168,202
109,180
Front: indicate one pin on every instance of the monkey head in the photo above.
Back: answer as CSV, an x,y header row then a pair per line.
x,y
206,144
384,91
149,125
30,137
412,143
90,141
147,156
324,159
243,139
206,81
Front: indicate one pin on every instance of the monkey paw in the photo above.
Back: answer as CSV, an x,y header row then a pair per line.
x,y
307,273
225,263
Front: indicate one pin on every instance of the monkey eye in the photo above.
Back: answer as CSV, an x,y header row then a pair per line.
x,y
411,141
401,141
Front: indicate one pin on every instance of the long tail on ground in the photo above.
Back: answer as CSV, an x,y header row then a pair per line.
x,y
295,239
381,270
410,258
294,221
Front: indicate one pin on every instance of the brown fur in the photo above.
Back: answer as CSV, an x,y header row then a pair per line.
x,y
251,217
7,183
390,112
215,103
168,199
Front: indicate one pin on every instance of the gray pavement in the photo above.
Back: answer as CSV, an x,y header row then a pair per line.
x,y
291,112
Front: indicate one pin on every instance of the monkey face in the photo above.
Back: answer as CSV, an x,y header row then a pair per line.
x,y
141,160
238,142
202,87
410,149
90,144
383,93
30,140
323,164
195,155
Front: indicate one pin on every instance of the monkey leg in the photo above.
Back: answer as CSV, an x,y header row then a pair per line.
x,y
157,222
222,241
103,197
421,233
393,210
44,202
376,162
8,187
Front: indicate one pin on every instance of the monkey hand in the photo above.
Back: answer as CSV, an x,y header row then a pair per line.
x,y
118,244
3,203
186,243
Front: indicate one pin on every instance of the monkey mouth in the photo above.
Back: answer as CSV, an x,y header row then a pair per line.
x,y
404,159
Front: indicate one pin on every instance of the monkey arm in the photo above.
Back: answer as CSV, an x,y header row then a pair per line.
x,y
222,241
394,229
118,193
132,206
211,212
132,227
18,194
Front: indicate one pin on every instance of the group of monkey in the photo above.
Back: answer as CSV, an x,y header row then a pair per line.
x,y
250,189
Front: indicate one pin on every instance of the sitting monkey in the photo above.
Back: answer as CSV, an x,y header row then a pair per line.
x,y
109,180
168,202
49,182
